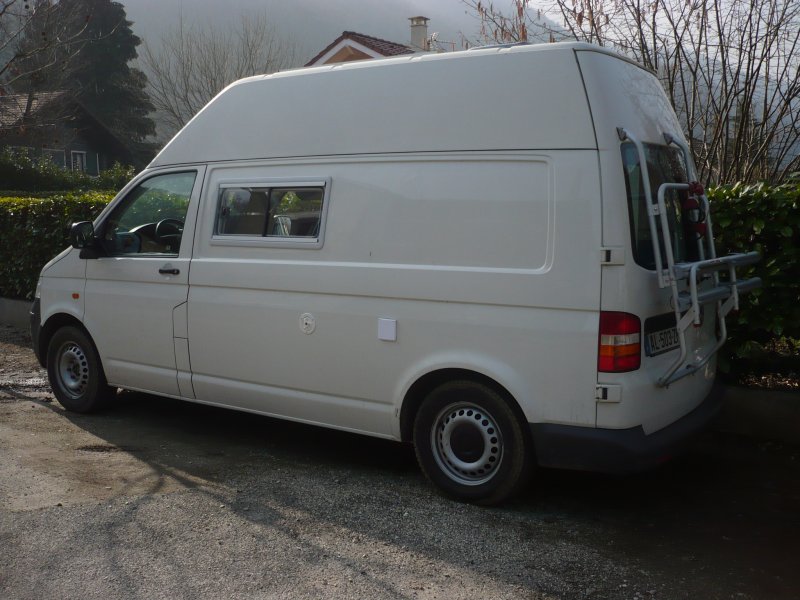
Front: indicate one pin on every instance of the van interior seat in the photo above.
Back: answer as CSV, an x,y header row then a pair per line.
x,y
252,220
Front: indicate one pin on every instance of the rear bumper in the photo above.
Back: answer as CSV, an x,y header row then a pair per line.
x,y
619,450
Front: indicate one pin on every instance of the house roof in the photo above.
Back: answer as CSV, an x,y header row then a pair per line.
x,y
12,106
377,45
59,106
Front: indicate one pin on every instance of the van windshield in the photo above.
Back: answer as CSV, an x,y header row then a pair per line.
x,y
664,165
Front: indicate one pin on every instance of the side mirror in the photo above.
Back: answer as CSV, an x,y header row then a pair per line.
x,y
81,236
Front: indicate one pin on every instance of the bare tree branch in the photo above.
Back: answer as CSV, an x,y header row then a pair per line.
x,y
59,29
730,67
192,64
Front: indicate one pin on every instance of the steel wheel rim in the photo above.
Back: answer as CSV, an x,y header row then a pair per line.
x,y
467,444
72,370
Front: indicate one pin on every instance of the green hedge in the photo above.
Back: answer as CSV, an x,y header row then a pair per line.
x,y
34,230
755,217
764,218
18,171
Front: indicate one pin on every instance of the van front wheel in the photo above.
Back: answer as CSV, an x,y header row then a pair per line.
x,y
470,444
75,372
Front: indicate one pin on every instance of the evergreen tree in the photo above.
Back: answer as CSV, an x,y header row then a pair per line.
x,y
102,78
84,47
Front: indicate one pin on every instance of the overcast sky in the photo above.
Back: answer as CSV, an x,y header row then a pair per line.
x,y
313,24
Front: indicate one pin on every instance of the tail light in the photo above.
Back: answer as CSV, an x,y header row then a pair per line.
x,y
620,345
693,211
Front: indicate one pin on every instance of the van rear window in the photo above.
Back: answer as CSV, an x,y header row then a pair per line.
x,y
664,165
269,212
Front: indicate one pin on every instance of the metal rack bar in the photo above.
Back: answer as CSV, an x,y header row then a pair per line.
x,y
687,306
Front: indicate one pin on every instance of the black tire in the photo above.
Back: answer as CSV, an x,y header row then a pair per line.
x,y
471,444
75,372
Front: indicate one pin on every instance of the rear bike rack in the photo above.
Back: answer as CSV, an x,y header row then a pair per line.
x,y
688,305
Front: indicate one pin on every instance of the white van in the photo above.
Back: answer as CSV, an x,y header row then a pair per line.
x,y
458,250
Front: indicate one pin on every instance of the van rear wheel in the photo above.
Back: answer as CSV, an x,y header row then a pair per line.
x,y
471,444
75,372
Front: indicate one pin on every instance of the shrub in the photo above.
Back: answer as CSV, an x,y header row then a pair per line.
x,y
34,230
764,218
18,171
32,194
746,217
114,178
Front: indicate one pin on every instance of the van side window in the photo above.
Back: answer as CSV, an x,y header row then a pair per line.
x,y
283,212
149,220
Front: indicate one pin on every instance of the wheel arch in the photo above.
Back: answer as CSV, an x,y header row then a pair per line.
x,y
54,323
429,381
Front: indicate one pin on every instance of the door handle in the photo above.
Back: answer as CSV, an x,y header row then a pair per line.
x,y
169,271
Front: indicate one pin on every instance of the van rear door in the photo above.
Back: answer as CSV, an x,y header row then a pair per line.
x,y
624,95
652,250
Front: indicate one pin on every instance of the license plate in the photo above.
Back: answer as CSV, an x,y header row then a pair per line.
x,y
661,341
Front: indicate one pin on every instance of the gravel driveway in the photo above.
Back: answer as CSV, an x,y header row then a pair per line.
x,y
160,499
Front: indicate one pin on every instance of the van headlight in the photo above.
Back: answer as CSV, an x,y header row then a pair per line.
x,y
38,293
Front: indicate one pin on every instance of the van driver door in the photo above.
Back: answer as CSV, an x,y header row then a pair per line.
x,y
141,277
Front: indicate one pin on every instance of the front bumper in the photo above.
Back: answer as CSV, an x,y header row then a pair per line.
x,y
36,329
619,450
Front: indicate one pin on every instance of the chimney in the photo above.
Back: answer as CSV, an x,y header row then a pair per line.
x,y
419,33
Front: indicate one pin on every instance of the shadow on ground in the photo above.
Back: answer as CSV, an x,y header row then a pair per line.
x,y
722,519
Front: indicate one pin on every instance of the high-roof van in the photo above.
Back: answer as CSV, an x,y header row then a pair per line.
x,y
501,256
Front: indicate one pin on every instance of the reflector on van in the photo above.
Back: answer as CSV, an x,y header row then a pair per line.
x,y
620,344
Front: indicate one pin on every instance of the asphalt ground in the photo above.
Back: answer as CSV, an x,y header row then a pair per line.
x,y
156,498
